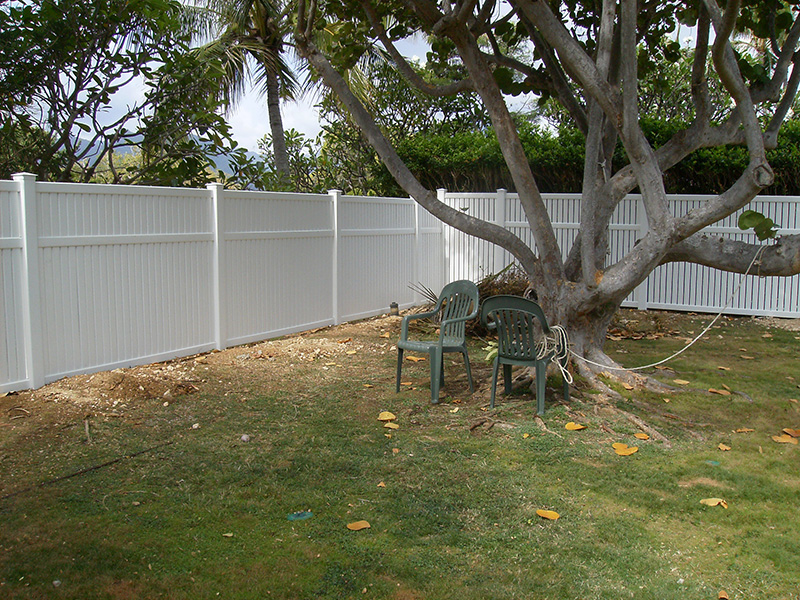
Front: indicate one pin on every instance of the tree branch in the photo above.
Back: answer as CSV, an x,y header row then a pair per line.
x,y
402,65
471,225
781,258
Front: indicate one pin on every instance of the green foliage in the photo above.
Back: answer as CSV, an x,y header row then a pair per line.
x,y
763,226
471,161
56,96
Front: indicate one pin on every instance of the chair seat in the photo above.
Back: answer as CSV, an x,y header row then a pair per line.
x,y
448,345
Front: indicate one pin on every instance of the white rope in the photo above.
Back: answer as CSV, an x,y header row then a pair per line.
x,y
557,347
687,346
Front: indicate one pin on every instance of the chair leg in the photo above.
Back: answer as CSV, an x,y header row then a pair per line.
x,y
541,376
495,369
507,378
469,372
399,368
436,374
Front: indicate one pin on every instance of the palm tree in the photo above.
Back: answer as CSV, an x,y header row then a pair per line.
x,y
248,43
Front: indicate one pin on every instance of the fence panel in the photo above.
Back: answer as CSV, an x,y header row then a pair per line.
x,y
277,271
468,257
13,372
377,255
126,275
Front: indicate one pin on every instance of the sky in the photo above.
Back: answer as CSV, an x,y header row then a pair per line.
x,y
250,121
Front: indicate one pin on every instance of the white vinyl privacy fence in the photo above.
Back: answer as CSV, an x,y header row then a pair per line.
x,y
94,277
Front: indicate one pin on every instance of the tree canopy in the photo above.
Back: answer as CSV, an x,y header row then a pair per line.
x,y
61,65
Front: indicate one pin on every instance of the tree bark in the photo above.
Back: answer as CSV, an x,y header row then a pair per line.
x,y
280,155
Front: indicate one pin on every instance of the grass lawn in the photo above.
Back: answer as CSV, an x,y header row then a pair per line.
x,y
451,496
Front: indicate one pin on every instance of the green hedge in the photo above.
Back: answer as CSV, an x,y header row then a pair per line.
x,y
472,161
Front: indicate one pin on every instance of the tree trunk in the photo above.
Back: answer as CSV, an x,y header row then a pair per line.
x,y
280,155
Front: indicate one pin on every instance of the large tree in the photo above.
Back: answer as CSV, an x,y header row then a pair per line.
x,y
589,57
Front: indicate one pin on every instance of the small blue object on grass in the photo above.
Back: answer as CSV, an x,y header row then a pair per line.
x,y
299,516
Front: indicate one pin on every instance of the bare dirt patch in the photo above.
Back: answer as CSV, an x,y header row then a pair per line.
x,y
125,393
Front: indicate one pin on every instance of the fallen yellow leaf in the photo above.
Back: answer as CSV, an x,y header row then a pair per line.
x,y
747,357
723,595
415,358
792,432
720,392
548,514
368,385
344,341
724,368
641,436
619,446
627,386
627,451
454,410
227,535
406,383
572,426
390,425
784,439
388,435
358,525
714,502
382,485
395,450
525,436
744,430
352,352
680,381
723,447
386,416
386,335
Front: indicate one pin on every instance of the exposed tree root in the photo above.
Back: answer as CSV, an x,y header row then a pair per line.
x,y
653,433
541,424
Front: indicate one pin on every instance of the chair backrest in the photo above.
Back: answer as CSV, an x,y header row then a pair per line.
x,y
458,300
520,324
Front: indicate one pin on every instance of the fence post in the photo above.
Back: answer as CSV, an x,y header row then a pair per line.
x,y
500,219
335,198
32,333
642,227
219,290
441,195
416,298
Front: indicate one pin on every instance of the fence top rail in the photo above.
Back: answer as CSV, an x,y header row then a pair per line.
x,y
276,196
376,200
118,190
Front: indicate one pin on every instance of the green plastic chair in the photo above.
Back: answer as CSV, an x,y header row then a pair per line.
x,y
520,323
457,304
